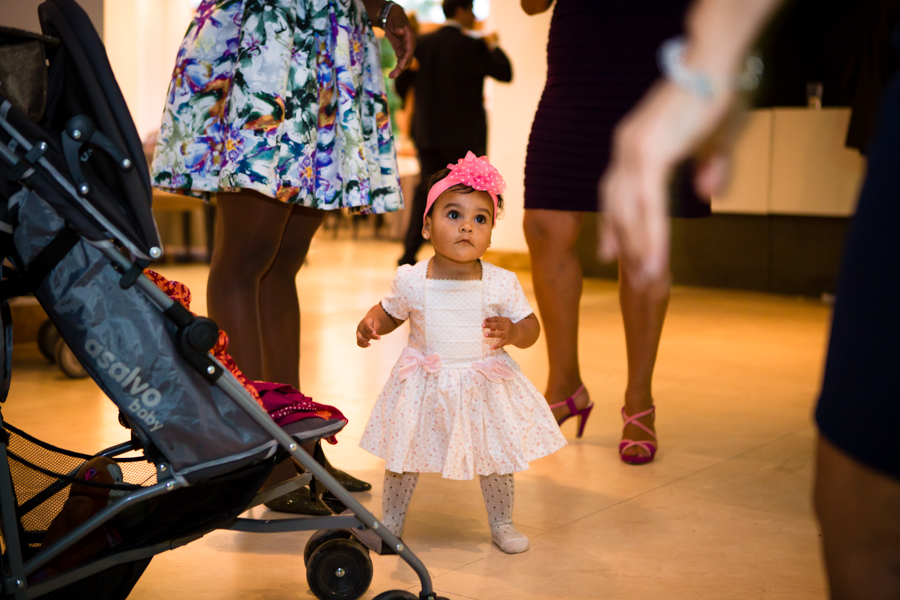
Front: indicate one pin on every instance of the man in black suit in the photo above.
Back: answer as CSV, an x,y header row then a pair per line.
x,y
448,117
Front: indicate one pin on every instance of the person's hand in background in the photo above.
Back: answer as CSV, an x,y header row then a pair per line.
x,y
399,33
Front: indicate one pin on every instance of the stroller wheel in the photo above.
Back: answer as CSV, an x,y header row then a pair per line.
x,y
47,337
68,362
396,595
322,536
339,570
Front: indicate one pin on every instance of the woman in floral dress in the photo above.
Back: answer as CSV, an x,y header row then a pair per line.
x,y
278,107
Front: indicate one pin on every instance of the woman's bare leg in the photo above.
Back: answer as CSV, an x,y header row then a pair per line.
x,y
557,275
279,306
643,312
556,271
245,296
859,511
279,314
249,229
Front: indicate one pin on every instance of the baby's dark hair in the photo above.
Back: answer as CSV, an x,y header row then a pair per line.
x,y
459,188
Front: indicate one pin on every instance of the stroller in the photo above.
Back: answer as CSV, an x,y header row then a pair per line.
x,y
77,231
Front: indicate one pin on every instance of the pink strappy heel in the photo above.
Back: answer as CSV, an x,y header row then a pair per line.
x,y
582,414
647,445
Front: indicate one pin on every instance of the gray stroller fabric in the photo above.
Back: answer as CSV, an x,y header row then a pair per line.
x,y
126,343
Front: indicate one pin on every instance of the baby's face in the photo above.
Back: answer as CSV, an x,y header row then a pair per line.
x,y
460,225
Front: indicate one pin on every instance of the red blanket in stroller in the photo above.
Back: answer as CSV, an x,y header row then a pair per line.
x,y
283,403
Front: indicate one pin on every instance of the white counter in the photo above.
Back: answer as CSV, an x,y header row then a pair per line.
x,y
792,161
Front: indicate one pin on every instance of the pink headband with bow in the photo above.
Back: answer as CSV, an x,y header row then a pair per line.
x,y
472,171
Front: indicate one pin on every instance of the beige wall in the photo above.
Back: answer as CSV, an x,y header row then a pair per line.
x,y
23,13
142,39
511,109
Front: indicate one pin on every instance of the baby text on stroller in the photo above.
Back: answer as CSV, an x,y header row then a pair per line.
x,y
130,380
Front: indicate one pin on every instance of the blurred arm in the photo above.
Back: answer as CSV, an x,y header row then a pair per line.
x,y
533,7
498,65
720,33
373,8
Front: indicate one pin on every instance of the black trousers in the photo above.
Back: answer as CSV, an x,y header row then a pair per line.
x,y
431,160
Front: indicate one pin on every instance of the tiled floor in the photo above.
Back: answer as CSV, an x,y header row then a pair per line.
x,y
723,513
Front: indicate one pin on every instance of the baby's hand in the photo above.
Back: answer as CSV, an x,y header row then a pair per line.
x,y
365,332
501,329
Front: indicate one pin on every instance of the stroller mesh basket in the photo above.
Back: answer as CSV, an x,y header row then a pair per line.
x,y
42,476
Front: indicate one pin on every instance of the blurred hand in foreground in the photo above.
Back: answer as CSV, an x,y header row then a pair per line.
x,y
667,126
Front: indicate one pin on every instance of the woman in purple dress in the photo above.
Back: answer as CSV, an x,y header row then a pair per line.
x,y
601,58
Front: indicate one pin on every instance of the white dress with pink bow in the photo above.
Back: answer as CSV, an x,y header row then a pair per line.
x,y
452,405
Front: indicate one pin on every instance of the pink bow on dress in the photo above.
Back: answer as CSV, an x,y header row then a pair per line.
x,y
411,359
494,369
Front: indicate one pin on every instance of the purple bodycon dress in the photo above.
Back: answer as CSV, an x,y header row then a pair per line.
x,y
601,58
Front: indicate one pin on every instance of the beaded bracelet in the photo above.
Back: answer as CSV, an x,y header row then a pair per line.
x,y
671,64
383,15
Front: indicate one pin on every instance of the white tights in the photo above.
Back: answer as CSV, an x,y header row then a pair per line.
x,y
398,491
498,492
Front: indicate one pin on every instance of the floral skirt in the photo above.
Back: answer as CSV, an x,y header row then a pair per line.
x,y
284,97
